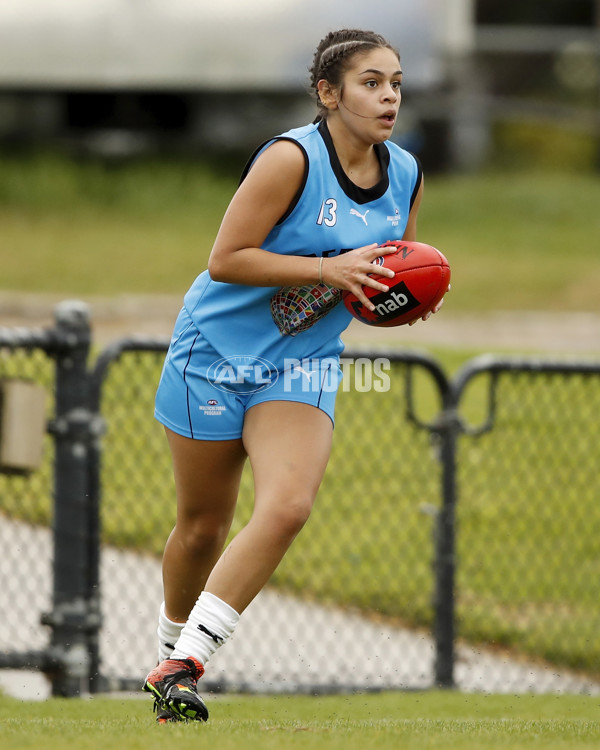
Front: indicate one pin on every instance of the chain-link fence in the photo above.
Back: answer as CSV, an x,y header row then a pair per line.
x,y
528,511
46,577
25,515
491,474
364,560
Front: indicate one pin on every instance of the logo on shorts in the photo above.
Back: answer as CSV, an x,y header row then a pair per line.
x,y
212,408
242,374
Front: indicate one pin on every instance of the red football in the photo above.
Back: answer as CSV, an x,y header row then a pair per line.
x,y
421,280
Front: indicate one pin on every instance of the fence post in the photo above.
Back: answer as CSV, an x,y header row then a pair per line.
x,y
448,428
71,617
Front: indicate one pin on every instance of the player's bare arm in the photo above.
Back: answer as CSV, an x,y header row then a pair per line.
x,y
261,200
259,203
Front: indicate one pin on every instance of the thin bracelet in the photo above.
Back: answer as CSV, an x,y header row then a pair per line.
x,y
321,270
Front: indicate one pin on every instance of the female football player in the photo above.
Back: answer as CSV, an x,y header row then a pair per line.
x,y
253,366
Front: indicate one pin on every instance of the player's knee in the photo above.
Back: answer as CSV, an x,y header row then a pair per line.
x,y
199,535
291,514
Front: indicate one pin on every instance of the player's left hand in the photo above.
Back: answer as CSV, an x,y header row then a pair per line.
x,y
428,314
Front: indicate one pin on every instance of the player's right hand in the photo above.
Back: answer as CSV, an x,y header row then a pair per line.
x,y
352,271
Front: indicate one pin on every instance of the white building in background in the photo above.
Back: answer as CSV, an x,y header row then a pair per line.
x,y
201,43
234,67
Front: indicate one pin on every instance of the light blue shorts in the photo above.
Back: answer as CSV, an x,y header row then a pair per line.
x,y
201,395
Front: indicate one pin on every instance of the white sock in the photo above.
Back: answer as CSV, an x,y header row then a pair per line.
x,y
168,632
209,625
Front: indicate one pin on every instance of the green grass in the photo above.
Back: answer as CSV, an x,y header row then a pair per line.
x,y
514,240
517,241
412,721
85,228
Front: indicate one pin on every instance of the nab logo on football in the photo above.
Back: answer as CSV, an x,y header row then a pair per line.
x,y
389,305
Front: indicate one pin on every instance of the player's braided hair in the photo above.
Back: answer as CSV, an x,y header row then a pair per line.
x,y
333,55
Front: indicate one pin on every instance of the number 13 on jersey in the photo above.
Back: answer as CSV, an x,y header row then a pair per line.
x,y
328,213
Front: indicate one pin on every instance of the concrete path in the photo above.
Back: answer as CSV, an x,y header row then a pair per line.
x,y
561,333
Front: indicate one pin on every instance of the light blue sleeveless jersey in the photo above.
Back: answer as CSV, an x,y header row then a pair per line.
x,y
330,215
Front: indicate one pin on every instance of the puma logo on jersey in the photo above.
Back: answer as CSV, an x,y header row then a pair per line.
x,y
354,212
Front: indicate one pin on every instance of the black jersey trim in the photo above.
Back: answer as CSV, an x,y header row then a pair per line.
x,y
298,195
354,192
417,181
